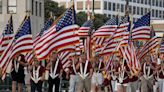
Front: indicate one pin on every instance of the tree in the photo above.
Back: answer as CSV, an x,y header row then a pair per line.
x,y
52,7
81,17
100,19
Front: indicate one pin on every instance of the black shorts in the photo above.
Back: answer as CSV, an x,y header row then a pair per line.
x,y
18,76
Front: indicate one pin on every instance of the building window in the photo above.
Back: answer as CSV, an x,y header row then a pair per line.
x,y
109,6
130,0
160,14
114,7
145,1
163,14
152,12
0,6
80,5
142,1
156,13
122,8
97,5
160,4
36,8
156,2
149,2
118,6
40,9
145,10
153,2
141,11
130,9
32,7
138,10
134,10
105,5
138,1
134,1
12,6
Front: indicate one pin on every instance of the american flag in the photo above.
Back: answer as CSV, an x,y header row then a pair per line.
x,y
129,54
66,53
116,38
74,49
64,58
141,28
81,44
85,28
58,36
99,43
7,35
29,56
126,35
107,29
21,43
162,46
101,36
149,46
47,25
121,31
87,46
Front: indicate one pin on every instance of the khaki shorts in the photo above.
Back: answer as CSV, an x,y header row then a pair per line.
x,y
83,84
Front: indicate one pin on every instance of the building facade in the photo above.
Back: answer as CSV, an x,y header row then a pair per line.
x,y
19,8
111,8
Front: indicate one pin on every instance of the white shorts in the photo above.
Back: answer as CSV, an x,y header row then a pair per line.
x,y
27,79
114,85
97,79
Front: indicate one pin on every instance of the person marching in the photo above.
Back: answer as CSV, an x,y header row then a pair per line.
x,y
17,73
160,75
123,76
73,74
134,81
37,73
113,73
55,72
147,76
97,77
85,72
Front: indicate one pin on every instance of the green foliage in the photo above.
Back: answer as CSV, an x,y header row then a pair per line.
x,y
81,17
52,7
100,19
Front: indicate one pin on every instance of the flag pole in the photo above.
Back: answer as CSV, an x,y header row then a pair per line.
x,y
88,9
150,24
91,29
73,3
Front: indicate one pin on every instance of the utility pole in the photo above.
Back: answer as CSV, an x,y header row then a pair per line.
x,y
93,8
